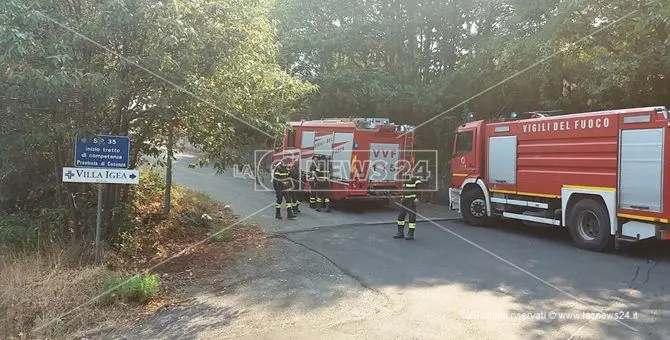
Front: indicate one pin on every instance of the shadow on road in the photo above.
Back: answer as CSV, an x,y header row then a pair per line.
x,y
537,274
184,322
649,249
462,281
348,280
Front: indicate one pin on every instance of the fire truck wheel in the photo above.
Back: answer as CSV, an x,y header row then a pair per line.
x,y
473,208
590,225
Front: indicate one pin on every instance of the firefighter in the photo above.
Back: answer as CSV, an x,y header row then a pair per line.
x,y
295,186
323,185
312,182
282,184
408,206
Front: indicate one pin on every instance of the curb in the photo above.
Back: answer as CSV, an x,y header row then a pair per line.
x,y
417,221
303,230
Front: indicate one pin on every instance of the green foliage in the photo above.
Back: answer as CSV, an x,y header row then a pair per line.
x,y
129,67
16,232
21,231
151,188
410,60
138,288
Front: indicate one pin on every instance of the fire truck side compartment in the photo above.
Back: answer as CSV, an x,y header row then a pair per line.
x,y
548,164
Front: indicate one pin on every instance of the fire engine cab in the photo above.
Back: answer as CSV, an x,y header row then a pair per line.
x,y
368,157
601,174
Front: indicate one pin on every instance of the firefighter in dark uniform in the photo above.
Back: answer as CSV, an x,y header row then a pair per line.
x,y
282,184
408,206
323,184
295,186
312,183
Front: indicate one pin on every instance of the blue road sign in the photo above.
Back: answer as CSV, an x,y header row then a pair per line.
x,y
102,152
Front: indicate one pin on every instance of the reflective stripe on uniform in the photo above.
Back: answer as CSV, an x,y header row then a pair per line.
x,y
401,222
277,205
327,200
410,196
412,225
318,199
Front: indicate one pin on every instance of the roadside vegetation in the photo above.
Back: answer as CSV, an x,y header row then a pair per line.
x,y
205,70
41,287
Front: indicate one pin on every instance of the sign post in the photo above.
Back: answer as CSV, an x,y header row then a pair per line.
x,y
98,225
102,160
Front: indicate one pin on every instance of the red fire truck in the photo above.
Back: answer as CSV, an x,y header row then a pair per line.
x,y
368,156
600,174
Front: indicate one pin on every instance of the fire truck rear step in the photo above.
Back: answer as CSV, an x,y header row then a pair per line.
x,y
636,231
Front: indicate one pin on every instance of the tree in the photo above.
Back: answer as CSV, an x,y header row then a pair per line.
x,y
414,60
129,67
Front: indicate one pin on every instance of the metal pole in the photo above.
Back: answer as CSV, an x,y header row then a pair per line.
x,y
168,172
98,226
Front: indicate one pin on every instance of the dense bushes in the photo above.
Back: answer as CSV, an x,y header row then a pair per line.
x,y
110,67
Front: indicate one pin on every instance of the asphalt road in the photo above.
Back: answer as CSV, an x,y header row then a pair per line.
x,y
453,277
257,202
338,276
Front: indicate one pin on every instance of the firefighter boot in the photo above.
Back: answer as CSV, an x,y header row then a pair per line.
x,y
410,234
278,213
289,213
296,210
401,232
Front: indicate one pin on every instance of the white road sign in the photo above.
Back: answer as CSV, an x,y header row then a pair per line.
x,y
92,175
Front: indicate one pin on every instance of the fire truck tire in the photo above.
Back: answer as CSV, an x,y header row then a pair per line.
x,y
473,208
589,225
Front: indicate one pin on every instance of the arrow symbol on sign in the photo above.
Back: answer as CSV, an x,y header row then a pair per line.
x,y
132,176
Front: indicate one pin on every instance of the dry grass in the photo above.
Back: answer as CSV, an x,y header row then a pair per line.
x,y
39,288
